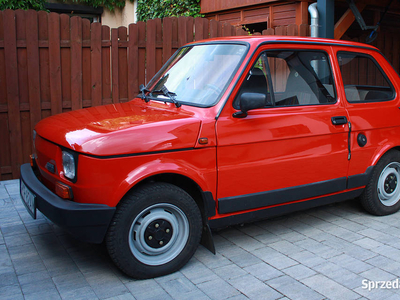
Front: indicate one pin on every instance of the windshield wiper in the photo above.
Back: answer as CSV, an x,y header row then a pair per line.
x,y
164,91
143,92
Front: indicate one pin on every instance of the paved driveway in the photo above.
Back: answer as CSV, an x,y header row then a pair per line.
x,y
322,253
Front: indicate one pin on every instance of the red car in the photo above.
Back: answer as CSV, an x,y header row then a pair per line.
x,y
229,131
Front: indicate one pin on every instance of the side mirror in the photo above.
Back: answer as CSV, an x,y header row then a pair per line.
x,y
249,101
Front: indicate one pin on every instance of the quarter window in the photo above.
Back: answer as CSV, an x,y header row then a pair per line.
x,y
363,79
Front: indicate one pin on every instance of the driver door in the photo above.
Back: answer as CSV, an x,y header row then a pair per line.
x,y
290,150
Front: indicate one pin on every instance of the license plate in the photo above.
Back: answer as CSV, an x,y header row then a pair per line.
x,y
28,198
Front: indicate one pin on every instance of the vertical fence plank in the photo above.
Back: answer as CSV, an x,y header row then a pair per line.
x,y
189,29
86,65
133,63
182,31
95,58
304,29
114,63
142,52
32,45
54,64
106,64
44,63
5,159
268,31
65,52
292,30
14,122
159,38
150,49
281,30
167,39
76,63
20,20
198,29
213,28
122,65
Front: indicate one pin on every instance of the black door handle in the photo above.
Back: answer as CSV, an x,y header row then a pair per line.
x,y
341,120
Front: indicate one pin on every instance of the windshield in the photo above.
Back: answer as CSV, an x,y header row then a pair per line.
x,y
197,75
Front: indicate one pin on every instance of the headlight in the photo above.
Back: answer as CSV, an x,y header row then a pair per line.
x,y
69,165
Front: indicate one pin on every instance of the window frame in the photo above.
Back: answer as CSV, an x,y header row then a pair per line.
x,y
270,83
384,75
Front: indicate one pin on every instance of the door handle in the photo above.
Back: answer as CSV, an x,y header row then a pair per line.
x,y
340,120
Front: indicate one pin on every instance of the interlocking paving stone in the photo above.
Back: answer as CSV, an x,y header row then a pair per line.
x,y
322,253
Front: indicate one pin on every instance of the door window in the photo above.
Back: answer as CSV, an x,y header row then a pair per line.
x,y
294,77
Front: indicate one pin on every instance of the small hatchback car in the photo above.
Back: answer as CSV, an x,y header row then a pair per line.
x,y
229,131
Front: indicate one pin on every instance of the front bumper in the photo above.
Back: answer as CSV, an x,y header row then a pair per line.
x,y
86,222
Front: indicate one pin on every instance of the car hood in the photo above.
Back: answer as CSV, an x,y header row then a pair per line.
x,y
123,128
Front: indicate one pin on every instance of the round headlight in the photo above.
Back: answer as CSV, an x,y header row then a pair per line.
x,y
68,165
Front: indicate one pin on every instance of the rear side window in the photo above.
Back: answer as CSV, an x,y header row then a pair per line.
x,y
363,79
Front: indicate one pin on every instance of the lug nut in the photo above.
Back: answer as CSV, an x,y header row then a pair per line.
x,y
157,225
167,230
161,243
150,237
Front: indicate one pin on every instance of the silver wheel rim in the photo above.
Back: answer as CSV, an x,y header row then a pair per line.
x,y
388,187
158,234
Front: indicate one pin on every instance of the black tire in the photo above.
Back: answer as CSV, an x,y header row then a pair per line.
x,y
382,194
155,231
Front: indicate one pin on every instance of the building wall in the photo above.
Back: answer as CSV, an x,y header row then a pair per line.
x,y
120,17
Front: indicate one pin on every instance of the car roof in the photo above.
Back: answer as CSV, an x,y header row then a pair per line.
x,y
260,39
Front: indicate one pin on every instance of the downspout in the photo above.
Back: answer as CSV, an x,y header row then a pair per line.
x,y
312,9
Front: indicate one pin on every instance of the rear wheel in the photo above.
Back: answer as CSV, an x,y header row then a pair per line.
x,y
155,231
382,194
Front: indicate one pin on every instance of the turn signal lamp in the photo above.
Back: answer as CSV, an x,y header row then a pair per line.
x,y
63,191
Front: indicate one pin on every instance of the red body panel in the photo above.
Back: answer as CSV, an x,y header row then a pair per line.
x,y
275,148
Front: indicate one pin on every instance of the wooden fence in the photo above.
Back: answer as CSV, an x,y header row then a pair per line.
x,y
51,63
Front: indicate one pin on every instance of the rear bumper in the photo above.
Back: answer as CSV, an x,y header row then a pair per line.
x,y
87,222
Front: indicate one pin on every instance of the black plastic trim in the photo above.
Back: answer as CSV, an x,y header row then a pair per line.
x,y
209,204
281,210
262,199
87,222
360,180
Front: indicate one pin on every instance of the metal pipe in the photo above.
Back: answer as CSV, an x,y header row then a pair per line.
x,y
312,9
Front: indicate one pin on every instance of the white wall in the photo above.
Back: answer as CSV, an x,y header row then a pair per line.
x,y
120,17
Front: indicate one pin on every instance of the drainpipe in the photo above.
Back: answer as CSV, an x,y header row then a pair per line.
x,y
312,9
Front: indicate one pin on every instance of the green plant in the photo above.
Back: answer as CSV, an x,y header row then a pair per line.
x,y
39,4
151,9
22,4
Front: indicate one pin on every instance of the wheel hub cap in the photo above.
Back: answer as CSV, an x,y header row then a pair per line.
x,y
158,233
390,183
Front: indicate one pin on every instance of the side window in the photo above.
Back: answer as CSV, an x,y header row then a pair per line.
x,y
363,79
291,78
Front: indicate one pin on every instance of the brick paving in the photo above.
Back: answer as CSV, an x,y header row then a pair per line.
x,y
322,253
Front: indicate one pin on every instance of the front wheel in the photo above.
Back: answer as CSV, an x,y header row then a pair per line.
x,y
155,231
382,194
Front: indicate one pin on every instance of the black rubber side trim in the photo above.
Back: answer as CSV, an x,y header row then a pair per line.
x,y
257,200
281,210
359,180
87,222
209,204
